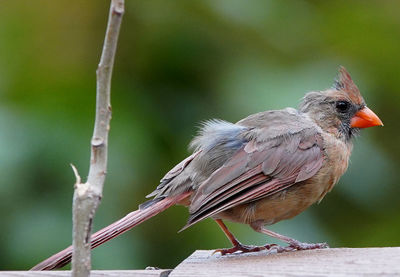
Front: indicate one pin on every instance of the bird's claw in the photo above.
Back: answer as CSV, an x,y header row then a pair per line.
x,y
244,249
309,246
293,246
298,246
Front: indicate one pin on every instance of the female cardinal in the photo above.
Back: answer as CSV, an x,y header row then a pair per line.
x,y
265,168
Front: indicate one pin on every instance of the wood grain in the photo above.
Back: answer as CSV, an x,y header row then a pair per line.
x,y
93,273
324,262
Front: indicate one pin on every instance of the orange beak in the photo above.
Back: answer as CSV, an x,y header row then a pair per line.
x,y
365,118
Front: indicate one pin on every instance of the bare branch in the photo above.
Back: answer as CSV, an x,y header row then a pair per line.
x,y
77,177
87,195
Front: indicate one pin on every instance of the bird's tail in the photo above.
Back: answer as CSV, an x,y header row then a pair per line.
x,y
146,211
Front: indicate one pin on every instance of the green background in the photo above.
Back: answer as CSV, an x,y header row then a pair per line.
x,y
179,63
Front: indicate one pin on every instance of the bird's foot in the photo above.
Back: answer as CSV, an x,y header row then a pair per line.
x,y
244,249
308,246
297,245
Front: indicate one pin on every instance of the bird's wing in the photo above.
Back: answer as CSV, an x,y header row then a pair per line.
x,y
264,166
175,171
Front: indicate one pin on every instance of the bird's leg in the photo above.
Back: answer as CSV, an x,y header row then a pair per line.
x,y
237,246
293,244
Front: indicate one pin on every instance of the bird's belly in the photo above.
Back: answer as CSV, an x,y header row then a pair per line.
x,y
280,206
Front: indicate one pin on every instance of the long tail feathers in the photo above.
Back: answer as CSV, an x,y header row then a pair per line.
x,y
111,231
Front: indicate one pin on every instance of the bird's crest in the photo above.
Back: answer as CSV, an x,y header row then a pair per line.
x,y
345,83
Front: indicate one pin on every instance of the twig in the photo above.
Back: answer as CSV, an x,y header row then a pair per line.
x,y
87,195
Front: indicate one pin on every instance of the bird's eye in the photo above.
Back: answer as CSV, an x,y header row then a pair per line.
x,y
342,106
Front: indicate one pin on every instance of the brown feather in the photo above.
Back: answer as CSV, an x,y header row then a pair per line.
x,y
281,163
346,84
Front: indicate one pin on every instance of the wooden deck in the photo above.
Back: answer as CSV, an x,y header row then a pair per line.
x,y
325,262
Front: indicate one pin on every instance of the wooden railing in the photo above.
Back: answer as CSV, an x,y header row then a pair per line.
x,y
325,262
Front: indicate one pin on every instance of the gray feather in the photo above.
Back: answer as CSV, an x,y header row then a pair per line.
x,y
216,142
216,132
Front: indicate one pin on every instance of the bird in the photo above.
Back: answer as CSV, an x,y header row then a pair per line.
x,y
267,167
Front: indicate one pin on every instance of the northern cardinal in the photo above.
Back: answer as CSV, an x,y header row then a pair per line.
x,y
265,168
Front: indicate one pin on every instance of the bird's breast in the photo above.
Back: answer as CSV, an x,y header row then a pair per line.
x,y
337,155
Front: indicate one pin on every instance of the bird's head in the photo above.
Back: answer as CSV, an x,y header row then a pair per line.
x,y
340,110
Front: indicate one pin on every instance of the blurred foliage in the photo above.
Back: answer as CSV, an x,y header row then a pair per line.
x,y
178,63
